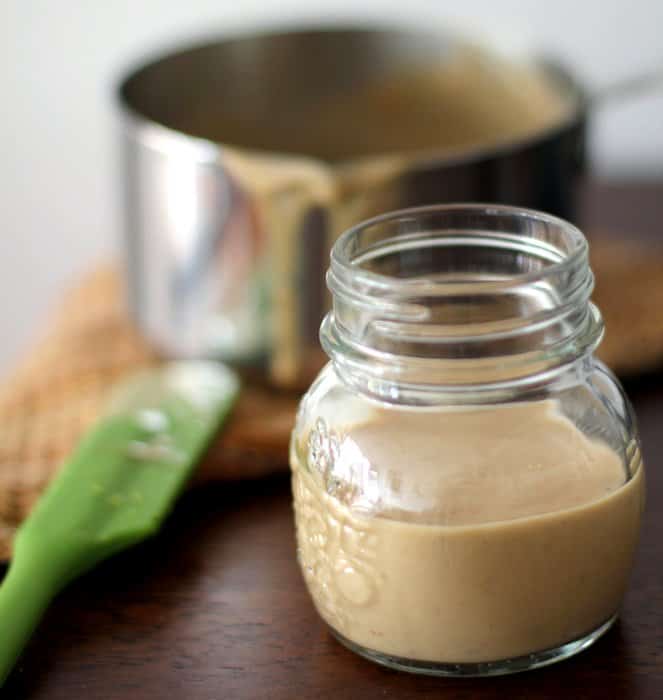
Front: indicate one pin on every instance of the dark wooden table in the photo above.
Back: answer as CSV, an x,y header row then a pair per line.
x,y
215,607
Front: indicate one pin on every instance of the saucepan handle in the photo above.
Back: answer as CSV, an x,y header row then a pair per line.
x,y
633,86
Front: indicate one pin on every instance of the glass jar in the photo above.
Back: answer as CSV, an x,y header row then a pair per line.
x,y
467,477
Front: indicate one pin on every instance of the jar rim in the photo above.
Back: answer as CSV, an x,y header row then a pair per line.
x,y
341,258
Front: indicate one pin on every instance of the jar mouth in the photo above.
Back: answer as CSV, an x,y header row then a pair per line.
x,y
461,294
570,247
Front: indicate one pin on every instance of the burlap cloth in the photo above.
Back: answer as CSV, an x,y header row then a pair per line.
x,y
58,390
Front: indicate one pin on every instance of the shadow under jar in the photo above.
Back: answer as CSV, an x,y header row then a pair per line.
x,y
467,478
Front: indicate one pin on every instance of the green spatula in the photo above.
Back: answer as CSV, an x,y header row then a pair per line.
x,y
115,490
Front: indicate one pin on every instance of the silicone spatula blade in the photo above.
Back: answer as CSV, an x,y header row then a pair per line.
x,y
116,488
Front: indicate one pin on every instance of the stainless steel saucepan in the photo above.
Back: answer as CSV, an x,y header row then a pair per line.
x,y
244,159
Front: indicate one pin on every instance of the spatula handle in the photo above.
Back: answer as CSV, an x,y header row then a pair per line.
x,y
24,596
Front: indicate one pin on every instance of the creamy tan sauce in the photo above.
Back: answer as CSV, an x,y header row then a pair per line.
x,y
344,150
473,98
499,532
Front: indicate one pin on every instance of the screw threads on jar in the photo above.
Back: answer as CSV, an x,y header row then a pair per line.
x,y
459,297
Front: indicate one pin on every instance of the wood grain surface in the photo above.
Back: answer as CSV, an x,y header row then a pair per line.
x,y
215,608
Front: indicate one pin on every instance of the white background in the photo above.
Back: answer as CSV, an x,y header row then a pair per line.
x,y
60,60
